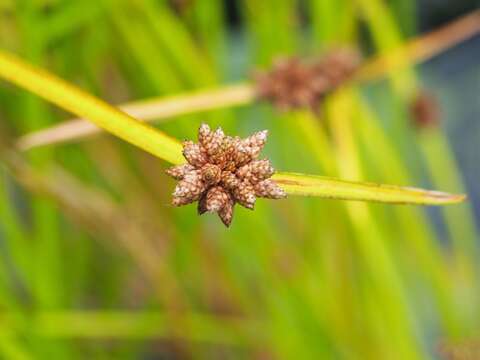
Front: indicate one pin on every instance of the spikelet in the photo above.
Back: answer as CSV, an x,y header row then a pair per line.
x,y
292,83
189,189
269,189
217,197
178,172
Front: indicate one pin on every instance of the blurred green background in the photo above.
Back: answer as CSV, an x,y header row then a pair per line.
x,y
96,264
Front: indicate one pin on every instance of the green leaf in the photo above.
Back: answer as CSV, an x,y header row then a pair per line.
x,y
73,99
146,110
331,188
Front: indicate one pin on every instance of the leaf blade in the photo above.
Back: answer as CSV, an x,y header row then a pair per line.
x,y
161,108
75,100
421,48
331,188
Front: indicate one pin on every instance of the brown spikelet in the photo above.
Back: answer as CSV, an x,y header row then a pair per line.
x,y
255,143
194,154
256,171
246,150
188,189
178,172
204,135
269,189
244,194
292,83
230,180
226,213
425,110
337,66
222,171
211,174
216,199
215,142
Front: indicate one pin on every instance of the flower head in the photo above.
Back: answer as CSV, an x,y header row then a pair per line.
x,y
292,83
222,171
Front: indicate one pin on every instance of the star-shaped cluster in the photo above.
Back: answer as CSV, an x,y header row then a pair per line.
x,y
222,171
292,83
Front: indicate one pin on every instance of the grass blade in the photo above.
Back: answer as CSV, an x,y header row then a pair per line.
x,y
80,103
330,188
146,110
421,48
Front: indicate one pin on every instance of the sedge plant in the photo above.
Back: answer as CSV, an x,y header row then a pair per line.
x,y
98,264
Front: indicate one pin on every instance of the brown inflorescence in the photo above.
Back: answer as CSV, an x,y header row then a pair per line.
x,y
293,83
222,171
425,110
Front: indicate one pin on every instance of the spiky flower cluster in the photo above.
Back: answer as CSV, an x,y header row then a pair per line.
x,y
222,171
292,83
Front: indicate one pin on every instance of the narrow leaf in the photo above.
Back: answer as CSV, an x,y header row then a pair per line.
x,y
71,98
145,110
330,188
421,48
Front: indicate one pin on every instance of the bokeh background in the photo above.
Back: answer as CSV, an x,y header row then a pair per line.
x,y
95,263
